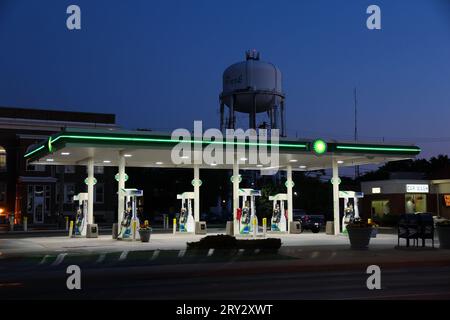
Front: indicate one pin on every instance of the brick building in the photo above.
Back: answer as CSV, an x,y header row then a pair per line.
x,y
44,193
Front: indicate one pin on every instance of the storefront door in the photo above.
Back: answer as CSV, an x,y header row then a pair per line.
x,y
38,202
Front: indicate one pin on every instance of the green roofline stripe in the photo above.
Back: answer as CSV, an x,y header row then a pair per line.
x,y
33,151
303,146
136,139
400,149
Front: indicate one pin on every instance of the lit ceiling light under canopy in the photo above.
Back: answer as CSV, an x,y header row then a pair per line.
x,y
127,155
293,160
65,153
340,162
106,161
50,160
159,163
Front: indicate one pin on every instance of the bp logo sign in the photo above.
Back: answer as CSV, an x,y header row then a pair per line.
x,y
319,146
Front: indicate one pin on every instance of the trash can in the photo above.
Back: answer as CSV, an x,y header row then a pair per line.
x,y
329,229
295,227
229,228
200,227
115,231
92,231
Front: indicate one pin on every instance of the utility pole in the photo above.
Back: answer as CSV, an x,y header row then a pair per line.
x,y
356,127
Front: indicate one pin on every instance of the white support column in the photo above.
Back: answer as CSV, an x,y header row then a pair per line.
x,y
335,181
290,202
196,193
235,196
90,180
120,187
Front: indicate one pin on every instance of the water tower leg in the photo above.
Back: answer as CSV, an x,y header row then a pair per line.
x,y
283,122
221,115
252,122
231,119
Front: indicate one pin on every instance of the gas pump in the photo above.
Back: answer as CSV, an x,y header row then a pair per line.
x,y
247,213
186,220
129,226
80,225
351,211
279,216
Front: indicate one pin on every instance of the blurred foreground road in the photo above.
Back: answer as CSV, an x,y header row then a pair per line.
x,y
214,282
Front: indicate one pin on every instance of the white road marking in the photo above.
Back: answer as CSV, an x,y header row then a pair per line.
x,y
315,254
123,255
59,259
181,253
257,251
155,255
44,258
240,252
101,258
210,252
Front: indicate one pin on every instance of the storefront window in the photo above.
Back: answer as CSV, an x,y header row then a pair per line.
x,y
99,193
381,207
69,192
415,203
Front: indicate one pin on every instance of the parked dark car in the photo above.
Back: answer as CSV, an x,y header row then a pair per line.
x,y
313,222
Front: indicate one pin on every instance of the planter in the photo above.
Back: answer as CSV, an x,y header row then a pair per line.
x,y
444,237
145,235
359,237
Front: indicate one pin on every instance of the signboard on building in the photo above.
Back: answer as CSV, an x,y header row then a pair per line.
x,y
447,200
417,188
376,190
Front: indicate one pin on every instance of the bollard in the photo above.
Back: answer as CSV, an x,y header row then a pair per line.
x,y
167,222
174,225
71,229
255,227
67,223
264,226
25,224
369,221
134,224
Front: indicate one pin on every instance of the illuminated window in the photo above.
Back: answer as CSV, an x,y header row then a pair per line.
x,y
415,203
99,193
2,159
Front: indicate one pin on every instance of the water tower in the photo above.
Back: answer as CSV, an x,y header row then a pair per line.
x,y
252,87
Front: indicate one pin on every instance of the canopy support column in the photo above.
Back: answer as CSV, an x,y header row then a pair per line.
x,y
289,186
120,187
235,197
196,193
335,181
90,183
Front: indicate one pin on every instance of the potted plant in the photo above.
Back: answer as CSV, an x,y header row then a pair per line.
x,y
145,231
359,234
443,231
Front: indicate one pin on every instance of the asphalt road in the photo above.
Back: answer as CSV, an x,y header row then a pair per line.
x,y
145,282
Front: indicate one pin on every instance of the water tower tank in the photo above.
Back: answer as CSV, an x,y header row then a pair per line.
x,y
253,87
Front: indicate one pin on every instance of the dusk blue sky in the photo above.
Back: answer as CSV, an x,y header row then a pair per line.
x,y
159,64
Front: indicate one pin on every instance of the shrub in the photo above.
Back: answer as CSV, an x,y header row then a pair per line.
x,y
229,242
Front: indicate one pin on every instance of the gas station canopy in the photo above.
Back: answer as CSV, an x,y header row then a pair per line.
x,y
151,149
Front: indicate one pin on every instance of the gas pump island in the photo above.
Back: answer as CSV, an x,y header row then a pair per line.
x,y
80,225
129,227
186,219
279,216
246,214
